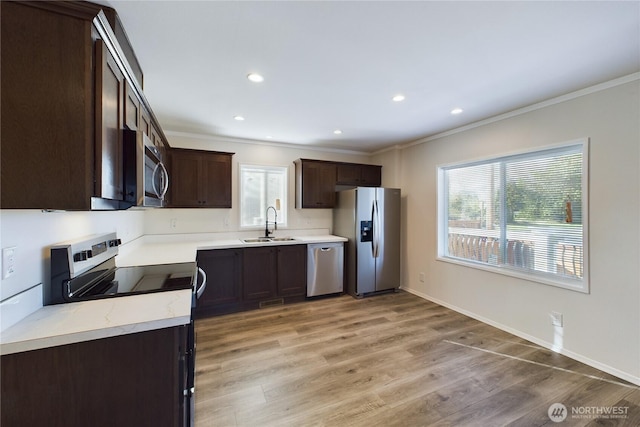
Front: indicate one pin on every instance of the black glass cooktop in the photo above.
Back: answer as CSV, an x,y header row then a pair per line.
x,y
122,281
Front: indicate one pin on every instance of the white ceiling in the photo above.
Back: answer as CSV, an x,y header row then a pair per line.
x,y
336,64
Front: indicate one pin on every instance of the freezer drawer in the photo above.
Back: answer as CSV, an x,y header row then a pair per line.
x,y
325,268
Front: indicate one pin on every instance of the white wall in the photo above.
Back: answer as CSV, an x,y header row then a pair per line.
x,y
160,221
601,328
32,232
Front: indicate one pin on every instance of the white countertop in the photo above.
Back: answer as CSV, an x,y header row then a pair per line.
x,y
62,324
88,320
167,249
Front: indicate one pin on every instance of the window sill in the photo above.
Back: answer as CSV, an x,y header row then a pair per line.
x,y
581,286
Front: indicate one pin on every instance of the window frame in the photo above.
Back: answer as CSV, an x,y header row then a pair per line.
x,y
580,285
283,213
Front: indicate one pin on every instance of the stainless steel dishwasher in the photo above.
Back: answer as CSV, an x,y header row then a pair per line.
x,y
325,268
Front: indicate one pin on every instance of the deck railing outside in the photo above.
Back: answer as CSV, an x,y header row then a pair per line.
x,y
566,259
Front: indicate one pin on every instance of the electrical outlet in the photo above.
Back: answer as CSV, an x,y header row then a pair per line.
x,y
556,318
8,261
422,277
173,222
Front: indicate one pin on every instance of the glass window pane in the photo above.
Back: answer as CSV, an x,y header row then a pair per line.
x,y
474,212
261,187
521,212
544,199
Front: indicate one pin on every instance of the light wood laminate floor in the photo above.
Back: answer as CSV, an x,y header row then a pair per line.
x,y
389,360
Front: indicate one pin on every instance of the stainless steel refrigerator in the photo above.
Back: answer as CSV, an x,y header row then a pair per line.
x,y
370,218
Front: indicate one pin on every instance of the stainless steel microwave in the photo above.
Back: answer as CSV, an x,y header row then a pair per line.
x,y
146,179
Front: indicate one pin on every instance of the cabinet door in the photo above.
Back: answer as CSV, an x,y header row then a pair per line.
x,y
371,176
216,180
224,277
259,271
185,179
292,270
358,175
131,109
145,121
348,174
109,123
318,185
200,179
156,137
127,380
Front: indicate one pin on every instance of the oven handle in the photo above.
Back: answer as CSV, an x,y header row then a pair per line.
x,y
200,290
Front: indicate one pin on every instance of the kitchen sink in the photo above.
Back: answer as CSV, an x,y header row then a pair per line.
x,y
257,240
268,239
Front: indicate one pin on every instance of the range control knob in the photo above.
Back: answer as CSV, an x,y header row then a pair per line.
x,y
82,255
114,242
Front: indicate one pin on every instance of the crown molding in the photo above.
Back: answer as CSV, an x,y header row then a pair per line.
x,y
549,102
225,139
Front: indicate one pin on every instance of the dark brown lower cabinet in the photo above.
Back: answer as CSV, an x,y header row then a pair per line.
x,y
292,270
224,281
260,273
246,278
128,380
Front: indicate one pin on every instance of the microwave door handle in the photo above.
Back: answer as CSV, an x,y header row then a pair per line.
x,y
165,180
153,180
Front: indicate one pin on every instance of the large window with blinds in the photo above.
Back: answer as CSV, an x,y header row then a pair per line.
x,y
523,215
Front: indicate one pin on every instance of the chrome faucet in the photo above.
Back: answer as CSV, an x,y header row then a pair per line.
x,y
266,223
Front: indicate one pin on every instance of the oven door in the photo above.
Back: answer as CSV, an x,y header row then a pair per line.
x,y
190,357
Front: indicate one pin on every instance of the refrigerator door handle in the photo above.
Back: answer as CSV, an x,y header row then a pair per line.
x,y
376,225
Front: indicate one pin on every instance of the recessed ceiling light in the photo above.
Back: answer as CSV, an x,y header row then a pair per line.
x,y
399,97
255,77
337,131
457,111
269,137
238,118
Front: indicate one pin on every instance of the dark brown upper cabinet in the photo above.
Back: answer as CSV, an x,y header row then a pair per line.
x,y
200,179
315,184
67,94
110,93
351,174
318,180
132,111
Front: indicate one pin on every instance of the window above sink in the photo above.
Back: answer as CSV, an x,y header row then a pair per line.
x,y
260,187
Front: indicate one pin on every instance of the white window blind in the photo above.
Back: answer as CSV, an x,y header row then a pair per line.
x,y
524,214
261,187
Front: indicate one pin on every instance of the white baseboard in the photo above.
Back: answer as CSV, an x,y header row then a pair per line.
x,y
579,357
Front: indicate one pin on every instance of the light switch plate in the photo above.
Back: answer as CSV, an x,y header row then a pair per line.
x,y
8,261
